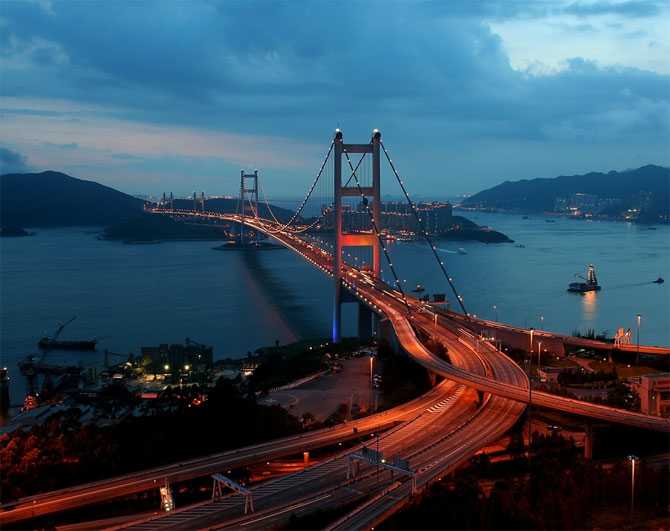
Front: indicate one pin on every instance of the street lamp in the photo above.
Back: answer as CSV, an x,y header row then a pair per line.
x,y
539,353
541,321
495,309
633,459
638,318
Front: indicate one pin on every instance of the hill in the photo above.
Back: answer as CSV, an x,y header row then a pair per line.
x,y
52,199
642,194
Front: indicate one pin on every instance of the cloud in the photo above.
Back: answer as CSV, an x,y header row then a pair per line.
x,y
12,162
232,84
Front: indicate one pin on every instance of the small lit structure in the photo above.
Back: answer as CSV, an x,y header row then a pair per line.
x,y
167,500
221,483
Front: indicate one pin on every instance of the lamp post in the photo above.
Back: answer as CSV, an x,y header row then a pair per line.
x,y
539,353
495,310
638,319
541,321
633,459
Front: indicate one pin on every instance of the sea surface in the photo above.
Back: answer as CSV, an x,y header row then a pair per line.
x,y
130,296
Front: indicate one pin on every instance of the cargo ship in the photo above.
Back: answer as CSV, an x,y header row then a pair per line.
x,y
52,343
590,284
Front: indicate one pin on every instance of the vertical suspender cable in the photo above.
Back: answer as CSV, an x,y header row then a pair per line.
x,y
425,234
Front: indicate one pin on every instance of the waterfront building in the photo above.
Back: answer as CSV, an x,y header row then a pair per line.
x,y
654,392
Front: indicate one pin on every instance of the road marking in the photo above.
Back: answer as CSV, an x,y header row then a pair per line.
x,y
287,509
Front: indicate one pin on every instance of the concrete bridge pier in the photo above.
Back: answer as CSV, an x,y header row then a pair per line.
x,y
588,441
365,318
387,333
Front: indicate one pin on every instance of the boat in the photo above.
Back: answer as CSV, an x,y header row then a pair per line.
x,y
659,280
550,220
525,217
590,284
419,289
520,246
462,251
50,343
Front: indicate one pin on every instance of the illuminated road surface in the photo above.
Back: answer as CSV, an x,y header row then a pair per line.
x,y
475,364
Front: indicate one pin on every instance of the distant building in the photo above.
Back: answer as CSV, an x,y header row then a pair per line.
x,y
583,205
166,358
654,392
435,217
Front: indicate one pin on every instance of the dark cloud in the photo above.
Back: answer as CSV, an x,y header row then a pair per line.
x,y
298,68
12,162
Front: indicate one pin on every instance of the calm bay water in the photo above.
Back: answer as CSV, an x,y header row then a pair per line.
x,y
135,295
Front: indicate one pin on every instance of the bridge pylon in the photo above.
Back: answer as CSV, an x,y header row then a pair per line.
x,y
357,239
250,194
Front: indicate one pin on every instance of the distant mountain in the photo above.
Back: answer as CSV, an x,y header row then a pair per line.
x,y
642,194
52,199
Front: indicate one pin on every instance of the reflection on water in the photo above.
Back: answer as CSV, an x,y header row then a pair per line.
x,y
589,306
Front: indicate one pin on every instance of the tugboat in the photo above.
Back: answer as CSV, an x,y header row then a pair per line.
x,y
659,280
591,283
48,343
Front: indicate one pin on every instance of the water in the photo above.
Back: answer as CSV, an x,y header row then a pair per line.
x,y
136,295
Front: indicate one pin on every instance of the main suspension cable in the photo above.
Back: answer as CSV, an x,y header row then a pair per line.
x,y
425,234
292,231
309,193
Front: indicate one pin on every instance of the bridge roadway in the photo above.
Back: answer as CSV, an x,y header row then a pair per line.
x,y
543,335
434,442
382,299
104,490
492,420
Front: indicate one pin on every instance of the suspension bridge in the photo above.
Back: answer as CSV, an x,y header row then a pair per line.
x,y
483,395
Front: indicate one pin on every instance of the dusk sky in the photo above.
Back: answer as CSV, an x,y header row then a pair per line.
x,y
178,96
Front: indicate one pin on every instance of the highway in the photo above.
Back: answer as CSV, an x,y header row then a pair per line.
x,y
473,363
437,440
543,335
99,491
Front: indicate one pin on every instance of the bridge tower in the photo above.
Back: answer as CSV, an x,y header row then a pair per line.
x,y
251,194
359,239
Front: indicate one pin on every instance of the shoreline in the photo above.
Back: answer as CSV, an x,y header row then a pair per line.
x,y
552,215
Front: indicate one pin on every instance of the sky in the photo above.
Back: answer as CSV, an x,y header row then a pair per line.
x,y
152,96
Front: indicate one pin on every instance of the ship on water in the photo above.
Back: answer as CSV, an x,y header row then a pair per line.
x,y
51,343
590,284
